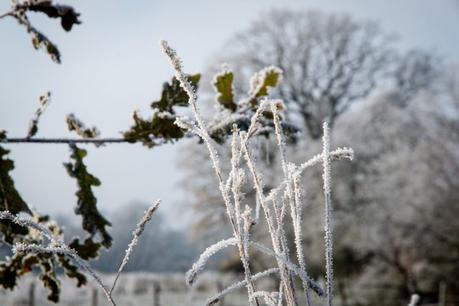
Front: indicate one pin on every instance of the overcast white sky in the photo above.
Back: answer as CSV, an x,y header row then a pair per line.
x,y
111,65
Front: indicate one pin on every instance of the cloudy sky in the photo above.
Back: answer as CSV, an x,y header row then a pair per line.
x,y
111,66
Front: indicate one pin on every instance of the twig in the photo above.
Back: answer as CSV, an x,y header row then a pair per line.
x,y
10,13
64,140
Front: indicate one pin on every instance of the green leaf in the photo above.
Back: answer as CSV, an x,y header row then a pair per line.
x,y
157,130
69,17
20,264
48,277
72,271
9,271
74,124
2,134
174,95
92,220
86,250
39,40
10,199
33,126
261,82
9,196
160,128
223,84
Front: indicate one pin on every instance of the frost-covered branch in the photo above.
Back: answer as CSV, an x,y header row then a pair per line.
x,y
56,246
99,141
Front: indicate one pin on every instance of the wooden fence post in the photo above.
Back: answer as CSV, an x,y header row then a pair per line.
x,y
442,294
32,294
156,293
94,297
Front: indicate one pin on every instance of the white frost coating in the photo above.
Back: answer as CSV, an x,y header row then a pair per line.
x,y
414,300
241,284
135,239
225,121
258,79
201,126
199,265
253,121
241,228
326,158
244,252
297,225
327,215
291,266
183,124
28,222
280,142
258,185
270,298
35,248
338,154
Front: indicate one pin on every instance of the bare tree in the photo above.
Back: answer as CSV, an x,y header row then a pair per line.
x,y
416,70
329,61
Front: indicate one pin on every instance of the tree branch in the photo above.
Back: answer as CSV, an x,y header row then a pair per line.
x,y
6,14
64,140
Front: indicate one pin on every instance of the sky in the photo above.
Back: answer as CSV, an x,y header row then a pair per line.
x,y
112,65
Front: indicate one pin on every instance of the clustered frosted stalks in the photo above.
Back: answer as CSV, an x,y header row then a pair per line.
x,y
287,196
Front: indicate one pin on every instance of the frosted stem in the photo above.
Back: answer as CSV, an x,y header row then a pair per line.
x,y
135,239
328,217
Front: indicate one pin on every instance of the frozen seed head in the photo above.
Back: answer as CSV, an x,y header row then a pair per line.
x,y
171,54
135,239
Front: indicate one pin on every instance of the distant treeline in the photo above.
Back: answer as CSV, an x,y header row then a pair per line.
x,y
160,248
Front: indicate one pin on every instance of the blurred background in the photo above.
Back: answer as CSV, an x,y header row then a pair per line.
x,y
385,75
